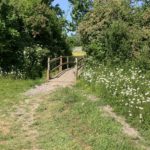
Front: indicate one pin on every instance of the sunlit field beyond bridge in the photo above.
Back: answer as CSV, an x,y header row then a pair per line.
x,y
78,51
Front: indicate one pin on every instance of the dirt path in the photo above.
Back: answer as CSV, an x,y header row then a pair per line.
x,y
65,79
126,128
25,112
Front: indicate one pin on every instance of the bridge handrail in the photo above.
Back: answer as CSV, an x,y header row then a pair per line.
x,y
57,58
77,62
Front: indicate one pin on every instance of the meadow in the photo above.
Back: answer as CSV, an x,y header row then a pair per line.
x,y
69,120
126,88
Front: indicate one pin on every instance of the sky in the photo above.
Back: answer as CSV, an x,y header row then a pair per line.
x,y
64,5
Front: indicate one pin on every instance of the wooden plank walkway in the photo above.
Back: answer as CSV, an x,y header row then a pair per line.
x,y
58,65
65,79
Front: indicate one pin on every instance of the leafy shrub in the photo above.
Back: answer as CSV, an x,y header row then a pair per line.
x,y
115,32
33,58
96,49
74,41
143,60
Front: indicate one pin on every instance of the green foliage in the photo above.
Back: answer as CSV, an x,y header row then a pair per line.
x,y
114,31
95,49
79,9
143,60
33,59
74,41
25,24
117,42
10,27
146,3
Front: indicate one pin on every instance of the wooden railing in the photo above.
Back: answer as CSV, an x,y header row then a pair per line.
x,y
64,62
79,65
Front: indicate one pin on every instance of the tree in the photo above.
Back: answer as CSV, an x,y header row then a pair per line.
x,y
10,40
30,31
44,23
79,9
115,31
146,2
48,2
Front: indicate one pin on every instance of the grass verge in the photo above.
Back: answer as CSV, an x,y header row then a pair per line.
x,y
69,121
11,91
107,99
11,94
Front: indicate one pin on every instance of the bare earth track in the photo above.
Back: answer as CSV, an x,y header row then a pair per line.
x,y
25,112
66,79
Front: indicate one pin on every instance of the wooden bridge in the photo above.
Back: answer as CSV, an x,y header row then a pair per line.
x,y
56,66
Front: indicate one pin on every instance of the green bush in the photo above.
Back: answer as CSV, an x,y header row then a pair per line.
x,y
115,32
30,31
33,58
143,60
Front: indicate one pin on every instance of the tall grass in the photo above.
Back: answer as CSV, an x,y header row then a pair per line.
x,y
126,88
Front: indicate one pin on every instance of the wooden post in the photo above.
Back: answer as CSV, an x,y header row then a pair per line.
x,y
60,67
67,62
48,69
76,67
